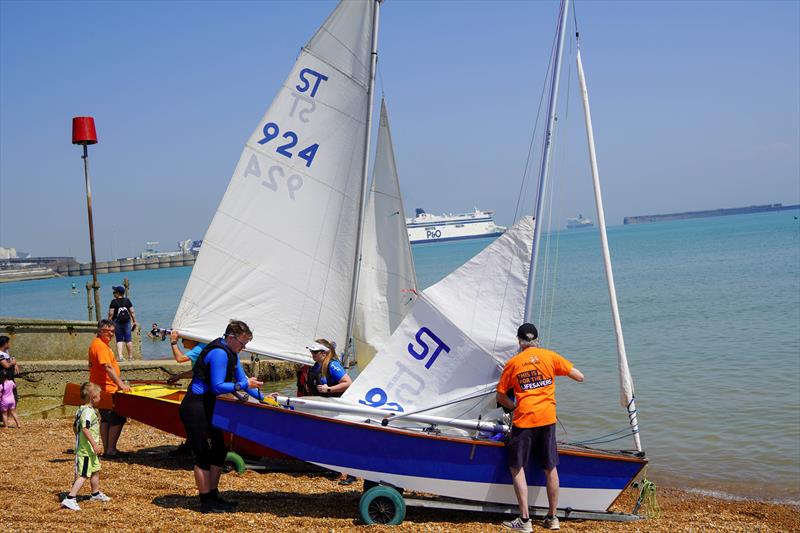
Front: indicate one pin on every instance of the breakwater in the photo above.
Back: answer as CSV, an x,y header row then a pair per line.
x,y
73,268
644,219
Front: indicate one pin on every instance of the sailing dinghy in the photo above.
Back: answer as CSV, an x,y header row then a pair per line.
x,y
416,417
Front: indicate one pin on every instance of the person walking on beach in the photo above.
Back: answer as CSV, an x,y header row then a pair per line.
x,y
121,312
104,372
217,371
87,449
531,375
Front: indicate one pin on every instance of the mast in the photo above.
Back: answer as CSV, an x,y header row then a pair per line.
x,y
364,177
548,144
626,382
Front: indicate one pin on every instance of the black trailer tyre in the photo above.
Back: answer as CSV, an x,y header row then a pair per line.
x,y
234,461
382,505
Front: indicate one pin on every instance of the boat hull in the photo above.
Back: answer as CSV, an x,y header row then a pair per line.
x,y
157,405
447,466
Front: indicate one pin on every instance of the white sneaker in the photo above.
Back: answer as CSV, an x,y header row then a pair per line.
x,y
551,523
518,524
100,497
70,503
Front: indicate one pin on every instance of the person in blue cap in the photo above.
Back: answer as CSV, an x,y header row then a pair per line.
x,y
121,312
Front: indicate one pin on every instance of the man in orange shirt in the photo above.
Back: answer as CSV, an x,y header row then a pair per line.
x,y
104,371
531,375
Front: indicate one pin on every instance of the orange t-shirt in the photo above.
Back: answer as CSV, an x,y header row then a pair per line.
x,y
531,373
101,354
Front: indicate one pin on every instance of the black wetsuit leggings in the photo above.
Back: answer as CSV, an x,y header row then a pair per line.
x,y
196,411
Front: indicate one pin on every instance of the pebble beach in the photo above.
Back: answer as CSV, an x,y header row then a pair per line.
x,y
152,491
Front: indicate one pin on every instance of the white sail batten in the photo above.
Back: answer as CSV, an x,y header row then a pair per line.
x,y
278,253
485,297
625,379
387,280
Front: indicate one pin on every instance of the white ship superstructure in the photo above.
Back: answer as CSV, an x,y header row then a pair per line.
x,y
425,227
579,222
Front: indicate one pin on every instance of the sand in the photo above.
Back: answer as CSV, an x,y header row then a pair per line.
x,y
154,492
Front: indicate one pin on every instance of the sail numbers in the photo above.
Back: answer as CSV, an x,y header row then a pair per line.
x,y
271,131
425,349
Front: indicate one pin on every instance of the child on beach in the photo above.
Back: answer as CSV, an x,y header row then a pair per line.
x,y
8,405
87,448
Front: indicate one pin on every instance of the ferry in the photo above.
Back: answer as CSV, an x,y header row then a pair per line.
x,y
579,222
425,227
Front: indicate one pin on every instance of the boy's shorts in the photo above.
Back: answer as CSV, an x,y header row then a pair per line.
x,y
86,465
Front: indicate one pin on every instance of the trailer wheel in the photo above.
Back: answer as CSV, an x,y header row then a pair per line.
x,y
382,505
234,461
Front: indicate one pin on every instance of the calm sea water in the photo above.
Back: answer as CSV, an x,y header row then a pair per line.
x,y
711,315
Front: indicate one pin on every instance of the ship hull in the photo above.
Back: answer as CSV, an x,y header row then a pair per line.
x,y
446,466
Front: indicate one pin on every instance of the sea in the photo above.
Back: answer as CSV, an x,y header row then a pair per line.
x,y
711,318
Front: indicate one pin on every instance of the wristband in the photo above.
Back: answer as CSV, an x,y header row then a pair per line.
x,y
237,387
174,343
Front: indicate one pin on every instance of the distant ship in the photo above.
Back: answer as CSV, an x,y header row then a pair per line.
x,y
579,222
425,227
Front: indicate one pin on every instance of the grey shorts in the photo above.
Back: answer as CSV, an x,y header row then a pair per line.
x,y
537,444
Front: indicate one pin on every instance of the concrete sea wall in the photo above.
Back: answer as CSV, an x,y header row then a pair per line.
x,y
34,339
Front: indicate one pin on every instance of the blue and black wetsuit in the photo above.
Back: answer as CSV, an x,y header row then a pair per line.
x,y
217,371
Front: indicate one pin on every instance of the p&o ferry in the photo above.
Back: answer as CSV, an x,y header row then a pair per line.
x,y
425,227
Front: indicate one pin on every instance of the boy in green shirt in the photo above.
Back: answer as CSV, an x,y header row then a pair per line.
x,y
87,448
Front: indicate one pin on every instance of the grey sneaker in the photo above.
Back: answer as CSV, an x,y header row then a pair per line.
x,y
518,524
70,503
100,497
551,522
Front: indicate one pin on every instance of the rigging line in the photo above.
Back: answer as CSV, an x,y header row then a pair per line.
x,y
586,443
469,396
524,183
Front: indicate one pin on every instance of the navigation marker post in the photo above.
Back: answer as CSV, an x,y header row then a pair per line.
x,y
83,133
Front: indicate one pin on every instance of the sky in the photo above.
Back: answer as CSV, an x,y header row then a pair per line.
x,y
696,105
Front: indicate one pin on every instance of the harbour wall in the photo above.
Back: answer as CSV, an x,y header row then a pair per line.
x,y
125,265
34,339
46,379
644,219
65,269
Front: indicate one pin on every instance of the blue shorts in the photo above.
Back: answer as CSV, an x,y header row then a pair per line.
x,y
122,331
533,444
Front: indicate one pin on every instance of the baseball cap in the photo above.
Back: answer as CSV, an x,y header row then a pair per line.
x,y
527,332
119,289
317,347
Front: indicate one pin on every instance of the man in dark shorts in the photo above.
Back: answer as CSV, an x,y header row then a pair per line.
x,y
104,371
121,312
531,376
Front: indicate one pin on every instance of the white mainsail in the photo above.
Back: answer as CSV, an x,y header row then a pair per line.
x,y
279,251
456,338
387,281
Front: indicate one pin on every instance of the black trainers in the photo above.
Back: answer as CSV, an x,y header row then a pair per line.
x,y
212,507
219,501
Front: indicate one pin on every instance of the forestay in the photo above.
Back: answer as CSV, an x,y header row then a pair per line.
x,y
453,343
387,281
279,251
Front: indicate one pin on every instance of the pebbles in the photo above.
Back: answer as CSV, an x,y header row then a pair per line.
x,y
154,492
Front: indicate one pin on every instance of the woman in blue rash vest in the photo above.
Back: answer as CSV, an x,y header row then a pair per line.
x,y
217,371
327,377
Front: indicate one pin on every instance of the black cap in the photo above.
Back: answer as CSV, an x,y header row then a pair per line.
x,y
527,332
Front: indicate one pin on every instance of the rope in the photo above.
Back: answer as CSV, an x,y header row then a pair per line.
x,y
647,502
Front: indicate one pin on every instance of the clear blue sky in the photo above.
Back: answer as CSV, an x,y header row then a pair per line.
x,y
696,105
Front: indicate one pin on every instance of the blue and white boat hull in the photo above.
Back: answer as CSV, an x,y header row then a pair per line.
x,y
447,466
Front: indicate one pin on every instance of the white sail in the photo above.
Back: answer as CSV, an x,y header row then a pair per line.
x,y
456,338
279,251
387,281
428,361
485,297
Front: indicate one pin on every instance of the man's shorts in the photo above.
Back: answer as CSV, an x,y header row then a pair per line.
x,y
111,417
122,331
86,465
537,444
